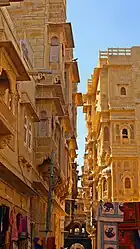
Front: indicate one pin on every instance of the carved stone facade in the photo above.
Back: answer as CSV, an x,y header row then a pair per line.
x,y
111,105
38,113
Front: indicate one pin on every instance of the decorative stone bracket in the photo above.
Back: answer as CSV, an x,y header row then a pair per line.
x,y
25,163
4,140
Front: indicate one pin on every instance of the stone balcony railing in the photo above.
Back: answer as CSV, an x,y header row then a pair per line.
x,y
123,102
124,149
115,52
7,123
49,81
115,56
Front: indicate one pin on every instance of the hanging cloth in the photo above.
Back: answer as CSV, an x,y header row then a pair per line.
x,y
4,224
38,243
6,212
19,222
14,231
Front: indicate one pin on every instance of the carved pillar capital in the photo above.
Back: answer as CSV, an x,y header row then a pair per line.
x,y
14,98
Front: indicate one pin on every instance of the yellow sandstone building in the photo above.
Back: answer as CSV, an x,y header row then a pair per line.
x,y
38,111
112,112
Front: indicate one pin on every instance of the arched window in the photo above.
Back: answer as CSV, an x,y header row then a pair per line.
x,y
127,183
124,133
123,91
54,49
76,230
106,133
54,41
43,115
83,230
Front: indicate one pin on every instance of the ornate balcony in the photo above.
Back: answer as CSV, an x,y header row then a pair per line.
x,y
7,124
25,100
78,100
49,88
59,89
75,72
44,146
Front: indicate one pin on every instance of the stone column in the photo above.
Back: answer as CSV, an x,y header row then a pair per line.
x,y
94,241
100,189
93,238
109,190
6,96
49,127
94,191
14,99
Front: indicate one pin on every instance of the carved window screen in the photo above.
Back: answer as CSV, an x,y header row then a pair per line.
x,y
124,133
123,91
43,124
54,50
127,183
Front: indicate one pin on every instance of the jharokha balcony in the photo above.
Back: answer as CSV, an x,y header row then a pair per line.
x,y
7,123
48,152
50,88
44,146
8,93
7,108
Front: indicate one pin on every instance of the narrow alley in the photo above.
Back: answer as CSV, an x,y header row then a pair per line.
x,y
48,198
